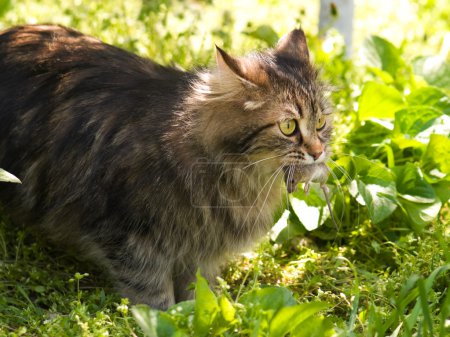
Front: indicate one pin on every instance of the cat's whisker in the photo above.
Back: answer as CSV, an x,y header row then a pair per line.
x,y
326,192
342,194
290,174
341,169
344,172
261,160
267,195
274,174
362,158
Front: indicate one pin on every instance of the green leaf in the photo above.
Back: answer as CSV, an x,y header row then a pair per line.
x,y
287,227
5,5
413,120
288,318
379,101
442,190
382,54
437,156
416,197
430,97
314,327
376,186
264,33
427,286
420,214
146,318
156,323
343,169
269,298
434,69
8,177
310,209
167,327
366,137
412,186
206,307
227,310
184,308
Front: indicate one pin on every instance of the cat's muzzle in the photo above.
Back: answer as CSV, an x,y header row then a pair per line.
x,y
295,174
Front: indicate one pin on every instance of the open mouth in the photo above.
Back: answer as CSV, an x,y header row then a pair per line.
x,y
295,174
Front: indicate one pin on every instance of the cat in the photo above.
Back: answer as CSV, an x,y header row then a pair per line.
x,y
151,171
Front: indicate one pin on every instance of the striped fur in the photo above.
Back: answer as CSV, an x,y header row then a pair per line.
x,y
151,171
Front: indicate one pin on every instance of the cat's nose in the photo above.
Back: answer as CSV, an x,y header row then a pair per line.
x,y
316,154
314,149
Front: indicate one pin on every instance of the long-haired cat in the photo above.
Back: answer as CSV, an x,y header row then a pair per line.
x,y
151,171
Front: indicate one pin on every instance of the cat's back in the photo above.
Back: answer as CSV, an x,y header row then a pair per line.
x,y
52,76
77,112
53,64
52,48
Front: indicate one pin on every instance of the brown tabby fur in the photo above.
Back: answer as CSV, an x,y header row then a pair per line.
x,y
151,171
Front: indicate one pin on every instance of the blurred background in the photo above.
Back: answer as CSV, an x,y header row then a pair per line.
x,y
184,32
390,172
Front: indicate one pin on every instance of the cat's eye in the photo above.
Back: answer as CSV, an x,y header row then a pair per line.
x,y
320,122
288,127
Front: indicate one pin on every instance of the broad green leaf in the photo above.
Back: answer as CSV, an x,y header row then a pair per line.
x,y
412,186
270,298
167,327
206,307
226,309
147,319
287,228
442,190
156,323
403,142
437,156
310,209
8,177
314,327
264,33
416,197
420,214
413,120
440,126
430,97
343,169
368,136
434,69
382,54
5,5
184,308
376,186
288,318
379,101
308,215
383,75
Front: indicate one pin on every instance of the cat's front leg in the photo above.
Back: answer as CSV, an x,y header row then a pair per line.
x,y
183,278
144,278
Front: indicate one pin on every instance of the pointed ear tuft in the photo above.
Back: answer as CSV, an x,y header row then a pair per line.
x,y
293,45
246,69
227,62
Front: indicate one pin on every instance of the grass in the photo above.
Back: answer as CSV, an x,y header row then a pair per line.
x,y
379,281
367,280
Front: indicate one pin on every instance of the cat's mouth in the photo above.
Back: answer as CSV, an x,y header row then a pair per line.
x,y
295,174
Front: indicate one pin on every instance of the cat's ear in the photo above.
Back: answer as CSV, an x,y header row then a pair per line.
x,y
247,70
293,45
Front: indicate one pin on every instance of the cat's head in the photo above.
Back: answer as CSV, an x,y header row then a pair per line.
x,y
269,104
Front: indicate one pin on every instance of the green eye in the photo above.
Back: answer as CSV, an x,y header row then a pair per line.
x,y
320,122
288,127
